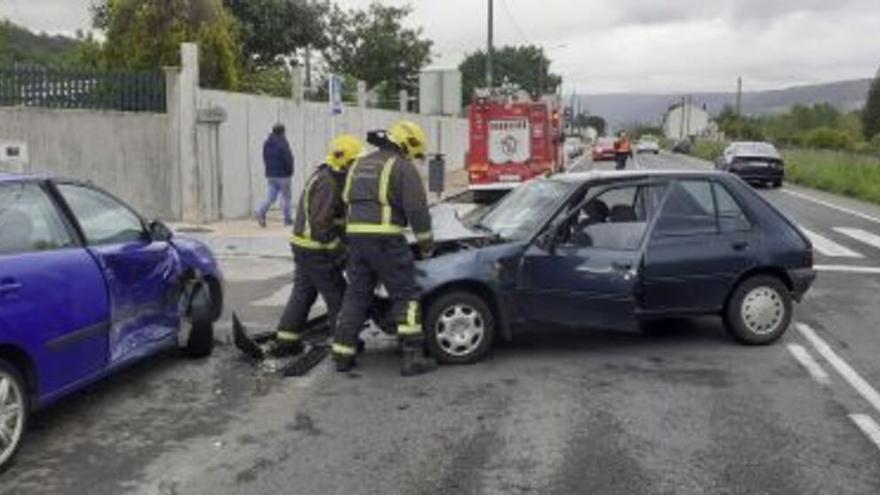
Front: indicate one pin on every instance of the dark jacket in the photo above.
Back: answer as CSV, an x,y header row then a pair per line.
x,y
373,212
321,213
277,157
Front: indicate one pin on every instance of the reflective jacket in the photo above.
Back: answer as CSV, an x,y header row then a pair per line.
x,y
384,193
622,146
320,215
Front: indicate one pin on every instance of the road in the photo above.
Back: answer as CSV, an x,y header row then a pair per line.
x,y
682,410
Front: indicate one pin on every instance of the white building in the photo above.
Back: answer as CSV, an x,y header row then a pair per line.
x,y
685,120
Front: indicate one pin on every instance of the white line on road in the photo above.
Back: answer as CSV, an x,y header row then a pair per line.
x,y
832,205
828,247
803,356
866,270
849,374
279,298
861,236
868,426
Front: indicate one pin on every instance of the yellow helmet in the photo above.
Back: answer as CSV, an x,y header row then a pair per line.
x,y
410,138
344,150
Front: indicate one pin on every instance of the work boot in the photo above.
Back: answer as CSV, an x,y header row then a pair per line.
x,y
344,364
415,363
284,348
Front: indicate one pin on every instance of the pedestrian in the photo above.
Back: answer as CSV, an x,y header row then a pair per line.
x,y
318,250
622,150
384,194
278,160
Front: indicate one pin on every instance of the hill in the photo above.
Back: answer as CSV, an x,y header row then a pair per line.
x,y
19,45
626,109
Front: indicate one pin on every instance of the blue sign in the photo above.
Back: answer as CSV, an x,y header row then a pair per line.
x,y
335,90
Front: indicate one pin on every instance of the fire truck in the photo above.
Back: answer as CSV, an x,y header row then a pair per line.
x,y
513,138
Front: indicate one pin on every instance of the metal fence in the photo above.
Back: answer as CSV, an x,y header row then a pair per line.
x,y
59,88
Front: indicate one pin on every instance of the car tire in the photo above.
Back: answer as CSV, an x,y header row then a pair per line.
x,y
200,341
13,422
759,311
460,328
777,184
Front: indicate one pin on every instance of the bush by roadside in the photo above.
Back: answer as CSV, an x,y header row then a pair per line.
x,y
708,150
850,174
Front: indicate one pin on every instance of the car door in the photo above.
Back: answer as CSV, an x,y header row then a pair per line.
x,y
141,272
589,276
701,244
53,298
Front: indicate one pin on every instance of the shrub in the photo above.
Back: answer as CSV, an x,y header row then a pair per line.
x,y
825,138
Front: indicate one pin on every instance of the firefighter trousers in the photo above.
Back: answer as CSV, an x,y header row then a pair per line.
x,y
379,259
317,272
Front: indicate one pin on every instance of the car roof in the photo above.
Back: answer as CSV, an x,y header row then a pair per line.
x,y
582,177
10,177
754,148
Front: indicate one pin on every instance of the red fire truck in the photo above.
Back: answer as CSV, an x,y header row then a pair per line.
x,y
513,139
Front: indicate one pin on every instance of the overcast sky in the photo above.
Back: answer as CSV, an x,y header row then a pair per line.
x,y
602,46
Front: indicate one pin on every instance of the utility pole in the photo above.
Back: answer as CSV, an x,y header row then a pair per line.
x,y
739,96
489,47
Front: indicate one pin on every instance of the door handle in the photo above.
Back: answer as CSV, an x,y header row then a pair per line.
x,y
740,246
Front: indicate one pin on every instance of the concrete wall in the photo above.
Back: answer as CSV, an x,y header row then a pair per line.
x,y
309,129
126,153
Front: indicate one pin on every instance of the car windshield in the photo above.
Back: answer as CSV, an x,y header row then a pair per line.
x,y
524,210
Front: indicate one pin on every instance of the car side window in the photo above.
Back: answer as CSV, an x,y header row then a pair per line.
x,y
615,219
689,210
103,219
29,221
731,217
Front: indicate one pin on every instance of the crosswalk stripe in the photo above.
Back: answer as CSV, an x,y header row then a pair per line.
x,y
828,247
861,236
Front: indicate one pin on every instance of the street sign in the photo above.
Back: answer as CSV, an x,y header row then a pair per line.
x,y
335,91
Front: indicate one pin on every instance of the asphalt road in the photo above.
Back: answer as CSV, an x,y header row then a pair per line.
x,y
683,410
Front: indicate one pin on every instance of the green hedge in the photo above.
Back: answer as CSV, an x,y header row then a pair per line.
x,y
708,150
851,174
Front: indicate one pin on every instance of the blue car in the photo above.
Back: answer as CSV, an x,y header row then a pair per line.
x,y
88,287
612,250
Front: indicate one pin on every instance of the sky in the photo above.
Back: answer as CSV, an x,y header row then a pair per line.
x,y
610,46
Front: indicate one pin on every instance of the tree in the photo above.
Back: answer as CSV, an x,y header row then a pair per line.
x,y
275,30
146,35
597,123
526,66
373,45
871,113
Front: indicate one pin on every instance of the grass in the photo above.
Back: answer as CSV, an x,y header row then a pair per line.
x,y
708,150
851,174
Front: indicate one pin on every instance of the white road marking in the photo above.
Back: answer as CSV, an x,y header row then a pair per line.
x,y
254,269
279,298
803,356
860,235
866,270
849,374
827,247
868,426
832,205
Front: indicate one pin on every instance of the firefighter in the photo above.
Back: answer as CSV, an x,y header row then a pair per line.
x,y
384,193
622,150
317,244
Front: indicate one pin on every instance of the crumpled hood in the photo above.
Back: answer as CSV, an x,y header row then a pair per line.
x,y
447,226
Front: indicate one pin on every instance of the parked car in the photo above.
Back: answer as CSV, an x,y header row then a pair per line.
x,y
613,250
87,287
648,144
754,162
682,146
603,149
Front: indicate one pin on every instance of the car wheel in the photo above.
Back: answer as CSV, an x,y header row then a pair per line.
x,y
777,184
460,328
759,310
199,338
14,412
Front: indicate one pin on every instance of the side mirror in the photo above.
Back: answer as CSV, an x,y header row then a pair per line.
x,y
547,241
159,232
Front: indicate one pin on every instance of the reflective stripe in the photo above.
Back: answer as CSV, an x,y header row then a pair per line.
x,y
412,313
287,336
346,193
384,183
343,350
424,236
412,325
371,228
409,330
304,243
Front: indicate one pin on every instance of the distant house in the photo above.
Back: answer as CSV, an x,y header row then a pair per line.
x,y
684,120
